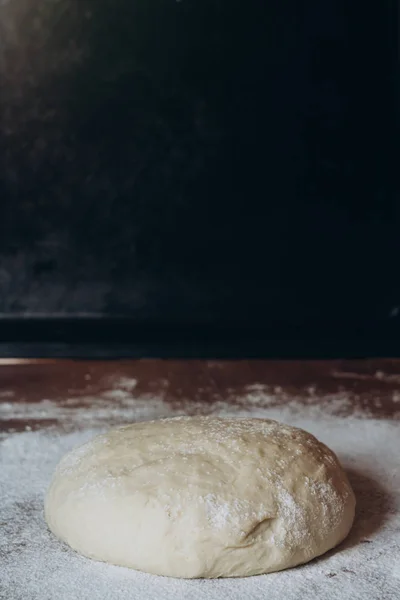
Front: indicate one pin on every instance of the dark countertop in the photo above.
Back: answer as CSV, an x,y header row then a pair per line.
x,y
48,406
372,387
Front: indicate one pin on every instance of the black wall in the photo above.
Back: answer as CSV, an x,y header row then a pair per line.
x,y
200,162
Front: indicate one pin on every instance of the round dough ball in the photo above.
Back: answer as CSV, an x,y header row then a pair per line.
x,y
201,497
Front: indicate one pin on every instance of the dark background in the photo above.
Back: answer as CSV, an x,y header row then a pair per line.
x,y
200,169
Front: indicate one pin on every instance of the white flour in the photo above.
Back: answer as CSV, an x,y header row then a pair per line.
x,y
35,566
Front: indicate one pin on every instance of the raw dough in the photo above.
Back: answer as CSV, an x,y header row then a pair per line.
x,y
201,497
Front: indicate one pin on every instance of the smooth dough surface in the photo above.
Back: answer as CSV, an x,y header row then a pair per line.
x,y
201,497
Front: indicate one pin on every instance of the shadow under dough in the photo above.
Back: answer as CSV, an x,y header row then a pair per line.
x,y
374,504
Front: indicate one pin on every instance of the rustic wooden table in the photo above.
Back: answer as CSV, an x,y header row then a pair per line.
x,y
371,387
48,406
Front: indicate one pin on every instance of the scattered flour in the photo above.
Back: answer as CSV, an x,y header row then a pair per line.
x,y
35,566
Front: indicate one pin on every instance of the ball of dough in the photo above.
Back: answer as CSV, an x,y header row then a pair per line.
x,y
201,497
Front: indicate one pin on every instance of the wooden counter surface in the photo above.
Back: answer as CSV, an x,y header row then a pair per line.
x,y
47,407
371,387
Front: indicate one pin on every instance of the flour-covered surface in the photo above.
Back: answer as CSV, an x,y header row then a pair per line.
x,y
46,409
